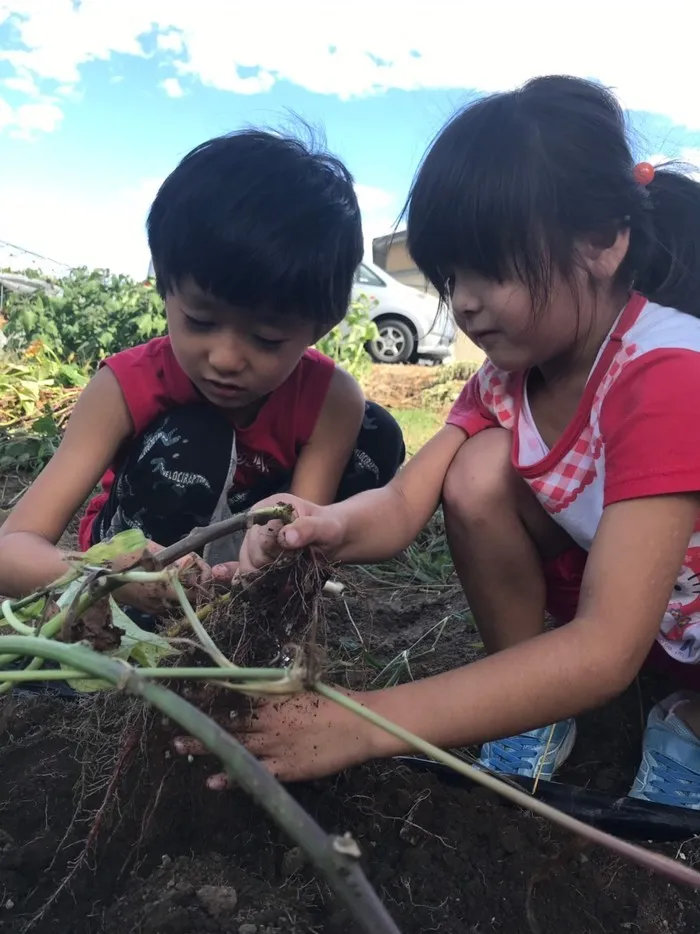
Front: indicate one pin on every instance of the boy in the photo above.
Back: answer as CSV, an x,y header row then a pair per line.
x,y
255,240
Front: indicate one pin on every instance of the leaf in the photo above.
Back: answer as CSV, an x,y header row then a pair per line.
x,y
122,544
146,649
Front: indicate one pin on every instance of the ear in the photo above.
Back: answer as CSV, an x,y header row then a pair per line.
x,y
603,256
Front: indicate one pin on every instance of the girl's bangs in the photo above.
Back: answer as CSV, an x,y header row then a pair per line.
x,y
476,206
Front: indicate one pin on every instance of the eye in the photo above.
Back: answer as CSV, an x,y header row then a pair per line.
x,y
194,324
268,343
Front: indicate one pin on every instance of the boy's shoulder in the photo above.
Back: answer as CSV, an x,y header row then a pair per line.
x,y
153,362
148,352
150,379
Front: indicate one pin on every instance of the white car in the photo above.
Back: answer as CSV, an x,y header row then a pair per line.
x,y
412,326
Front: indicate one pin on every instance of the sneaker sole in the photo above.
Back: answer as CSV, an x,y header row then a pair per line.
x,y
565,749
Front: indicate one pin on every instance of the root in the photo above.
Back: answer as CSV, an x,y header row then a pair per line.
x,y
124,758
271,621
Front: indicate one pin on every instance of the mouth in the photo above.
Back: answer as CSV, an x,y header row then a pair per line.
x,y
225,390
480,337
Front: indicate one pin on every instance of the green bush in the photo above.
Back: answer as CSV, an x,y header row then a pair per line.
x,y
97,315
346,343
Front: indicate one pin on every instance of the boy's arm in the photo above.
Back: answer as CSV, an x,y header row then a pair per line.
x,y
323,459
97,428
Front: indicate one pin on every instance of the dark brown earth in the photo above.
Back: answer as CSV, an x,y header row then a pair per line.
x,y
172,858
176,859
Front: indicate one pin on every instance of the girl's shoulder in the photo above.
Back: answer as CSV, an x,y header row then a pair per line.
x,y
657,354
658,327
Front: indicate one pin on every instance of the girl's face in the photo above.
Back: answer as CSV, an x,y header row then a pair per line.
x,y
234,357
573,321
500,319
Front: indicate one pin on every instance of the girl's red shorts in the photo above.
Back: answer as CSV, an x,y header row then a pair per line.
x,y
563,576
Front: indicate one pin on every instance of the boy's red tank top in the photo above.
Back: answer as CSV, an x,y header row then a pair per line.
x,y
153,382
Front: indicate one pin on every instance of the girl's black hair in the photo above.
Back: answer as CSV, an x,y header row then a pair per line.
x,y
514,180
263,222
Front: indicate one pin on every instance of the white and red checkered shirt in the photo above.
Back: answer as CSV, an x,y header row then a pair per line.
x,y
634,434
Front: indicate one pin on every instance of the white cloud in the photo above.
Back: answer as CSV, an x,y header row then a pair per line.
x,y
172,87
379,213
34,217
28,120
409,44
105,228
22,82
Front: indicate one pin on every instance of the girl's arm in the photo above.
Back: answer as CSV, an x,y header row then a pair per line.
x,y
98,426
630,574
371,526
632,568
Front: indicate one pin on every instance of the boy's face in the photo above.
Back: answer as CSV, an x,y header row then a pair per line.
x,y
232,355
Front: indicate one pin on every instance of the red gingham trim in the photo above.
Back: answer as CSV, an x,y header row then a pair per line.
x,y
576,430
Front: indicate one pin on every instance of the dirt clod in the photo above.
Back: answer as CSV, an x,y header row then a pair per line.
x,y
292,861
219,900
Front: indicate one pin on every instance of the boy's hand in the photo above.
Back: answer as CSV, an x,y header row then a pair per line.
x,y
314,525
158,597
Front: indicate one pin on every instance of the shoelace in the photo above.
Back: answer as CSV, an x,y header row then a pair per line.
x,y
667,779
511,754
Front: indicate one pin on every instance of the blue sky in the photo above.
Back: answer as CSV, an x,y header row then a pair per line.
x,y
99,99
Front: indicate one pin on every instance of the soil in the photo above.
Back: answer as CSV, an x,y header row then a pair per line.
x,y
177,859
400,387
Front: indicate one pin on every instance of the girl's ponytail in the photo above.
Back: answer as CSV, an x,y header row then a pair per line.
x,y
667,246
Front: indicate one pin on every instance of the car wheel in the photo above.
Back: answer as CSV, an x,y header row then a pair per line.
x,y
395,342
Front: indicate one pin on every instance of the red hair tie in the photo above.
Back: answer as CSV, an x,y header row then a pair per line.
x,y
644,173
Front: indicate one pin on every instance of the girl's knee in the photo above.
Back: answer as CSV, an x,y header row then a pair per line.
x,y
481,477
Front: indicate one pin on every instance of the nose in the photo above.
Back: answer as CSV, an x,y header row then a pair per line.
x,y
465,300
227,354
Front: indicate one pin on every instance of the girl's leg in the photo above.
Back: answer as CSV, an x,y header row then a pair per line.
x,y
500,538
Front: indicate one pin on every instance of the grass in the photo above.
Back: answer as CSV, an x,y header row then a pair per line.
x,y
426,563
418,426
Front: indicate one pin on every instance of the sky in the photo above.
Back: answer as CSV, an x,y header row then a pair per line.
x,y
100,99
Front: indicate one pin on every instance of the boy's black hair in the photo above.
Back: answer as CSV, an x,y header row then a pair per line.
x,y
514,180
263,222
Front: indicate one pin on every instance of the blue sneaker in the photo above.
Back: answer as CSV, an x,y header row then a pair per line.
x,y
537,754
670,769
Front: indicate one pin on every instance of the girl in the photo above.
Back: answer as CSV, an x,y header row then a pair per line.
x,y
569,468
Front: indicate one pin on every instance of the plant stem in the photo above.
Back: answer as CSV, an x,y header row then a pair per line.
x,y
12,620
271,675
208,643
34,665
342,871
200,537
650,860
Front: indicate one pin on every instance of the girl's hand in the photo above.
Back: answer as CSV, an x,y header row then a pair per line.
x,y
314,525
159,597
299,739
